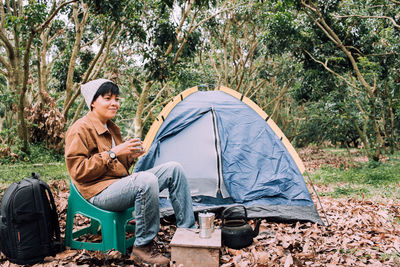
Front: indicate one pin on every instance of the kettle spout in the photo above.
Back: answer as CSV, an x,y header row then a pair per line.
x,y
257,228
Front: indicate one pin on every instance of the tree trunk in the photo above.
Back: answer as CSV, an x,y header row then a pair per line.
x,y
137,127
79,26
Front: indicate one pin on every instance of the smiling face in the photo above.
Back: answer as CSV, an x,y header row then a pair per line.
x,y
106,106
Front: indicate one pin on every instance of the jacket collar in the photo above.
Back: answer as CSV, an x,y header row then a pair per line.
x,y
98,125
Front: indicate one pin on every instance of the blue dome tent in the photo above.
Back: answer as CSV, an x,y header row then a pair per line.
x,y
232,153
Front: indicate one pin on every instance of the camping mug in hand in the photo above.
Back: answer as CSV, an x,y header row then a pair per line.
x,y
206,223
139,144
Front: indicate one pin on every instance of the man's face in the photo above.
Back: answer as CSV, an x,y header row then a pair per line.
x,y
106,106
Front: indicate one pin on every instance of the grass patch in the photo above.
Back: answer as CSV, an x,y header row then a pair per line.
x,y
350,251
371,179
364,174
16,172
392,255
341,191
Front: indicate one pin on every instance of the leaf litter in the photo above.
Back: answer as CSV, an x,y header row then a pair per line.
x,y
361,233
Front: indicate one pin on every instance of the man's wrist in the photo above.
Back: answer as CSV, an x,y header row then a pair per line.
x,y
112,154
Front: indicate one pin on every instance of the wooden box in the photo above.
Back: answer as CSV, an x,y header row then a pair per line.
x,y
188,249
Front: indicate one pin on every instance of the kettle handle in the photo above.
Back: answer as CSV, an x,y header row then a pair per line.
x,y
231,207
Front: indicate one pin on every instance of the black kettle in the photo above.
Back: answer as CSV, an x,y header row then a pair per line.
x,y
236,232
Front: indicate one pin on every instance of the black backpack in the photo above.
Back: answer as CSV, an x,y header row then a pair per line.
x,y
29,227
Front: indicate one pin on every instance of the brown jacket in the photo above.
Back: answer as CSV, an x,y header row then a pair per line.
x,y
87,144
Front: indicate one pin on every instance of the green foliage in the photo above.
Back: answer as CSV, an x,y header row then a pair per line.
x,y
164,34
189,75
39,153
281,27
7,98
11,21
315,84
374,44
366,180
320,107
155,39
113,9
35,13
333,119
192,45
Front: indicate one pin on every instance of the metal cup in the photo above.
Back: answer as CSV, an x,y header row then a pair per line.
x,y
206,224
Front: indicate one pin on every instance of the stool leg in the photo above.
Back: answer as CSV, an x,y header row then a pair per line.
x,y
121,237
114,236
109,235
69,226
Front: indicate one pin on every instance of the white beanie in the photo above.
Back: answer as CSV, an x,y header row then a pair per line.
x,y
88,90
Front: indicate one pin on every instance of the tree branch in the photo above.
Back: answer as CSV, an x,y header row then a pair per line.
x,y
330,70
214,63
50,18
322,28
184,16
193,28
107,44
2,15
250,53
256,89
333,36
59,32
371,17
5,63
97,57
154,107
9,47
155,98
280,95
91,41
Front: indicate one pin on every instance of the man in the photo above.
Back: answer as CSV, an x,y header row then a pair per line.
x,y
99,162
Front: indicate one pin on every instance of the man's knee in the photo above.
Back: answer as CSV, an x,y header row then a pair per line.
x,y
146,181
176,167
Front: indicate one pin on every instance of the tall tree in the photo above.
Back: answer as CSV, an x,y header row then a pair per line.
x,y
238,48
166,35
357,43
20,26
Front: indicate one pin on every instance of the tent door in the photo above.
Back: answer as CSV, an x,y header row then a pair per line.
x,y
221,185
194,147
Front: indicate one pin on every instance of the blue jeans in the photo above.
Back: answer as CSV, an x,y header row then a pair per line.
x,y
142,191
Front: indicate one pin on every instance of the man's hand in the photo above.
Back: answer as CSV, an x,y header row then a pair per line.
x,y
132,148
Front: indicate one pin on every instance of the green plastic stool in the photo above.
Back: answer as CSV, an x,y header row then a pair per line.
x,y
113,225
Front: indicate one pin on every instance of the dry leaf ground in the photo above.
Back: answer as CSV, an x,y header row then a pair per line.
x,y
360,233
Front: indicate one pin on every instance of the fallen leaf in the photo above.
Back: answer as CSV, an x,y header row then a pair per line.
x,y
289,260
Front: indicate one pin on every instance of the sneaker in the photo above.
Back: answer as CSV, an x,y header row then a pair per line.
x,y
149,254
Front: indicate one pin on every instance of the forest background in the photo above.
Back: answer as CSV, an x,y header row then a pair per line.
x,y
327,72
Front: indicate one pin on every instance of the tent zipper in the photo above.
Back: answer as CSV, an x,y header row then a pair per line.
x,y
217,148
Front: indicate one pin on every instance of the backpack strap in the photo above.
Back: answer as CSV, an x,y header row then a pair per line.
x,y
37,195
58,245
